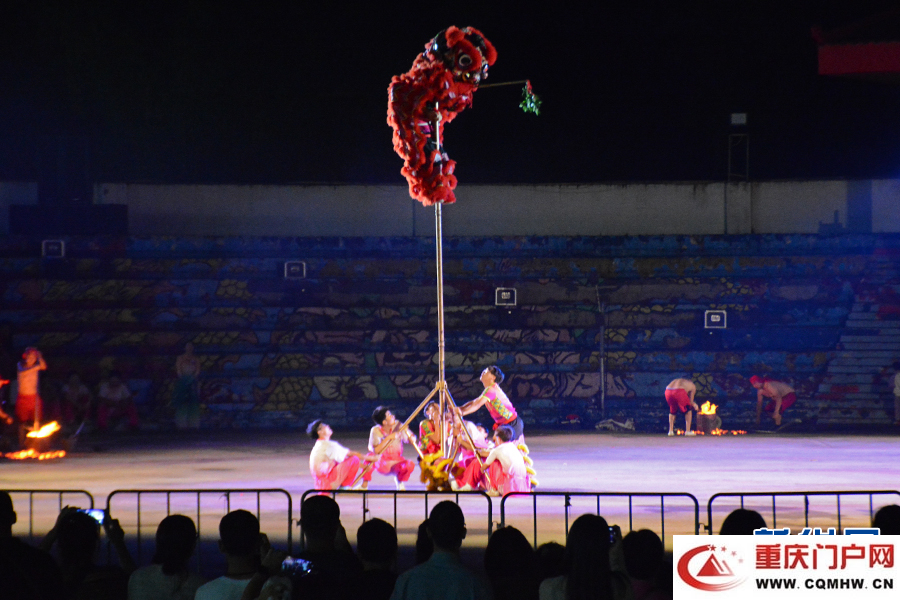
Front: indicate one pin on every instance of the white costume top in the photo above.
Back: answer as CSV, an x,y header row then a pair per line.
x,y
325,451
510,458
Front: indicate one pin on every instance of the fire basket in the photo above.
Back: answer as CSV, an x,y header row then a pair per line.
x,y
707,419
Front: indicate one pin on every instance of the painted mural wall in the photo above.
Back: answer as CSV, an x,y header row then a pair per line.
x,y
601,325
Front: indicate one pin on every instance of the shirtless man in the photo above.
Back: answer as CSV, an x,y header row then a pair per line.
x,y
781,394
29,407
680,397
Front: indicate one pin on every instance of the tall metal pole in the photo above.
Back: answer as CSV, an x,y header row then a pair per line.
x,y
441,385
439,233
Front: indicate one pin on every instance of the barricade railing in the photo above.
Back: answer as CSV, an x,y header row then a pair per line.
x,y
49,511
272,506
566,497
772,508
394,496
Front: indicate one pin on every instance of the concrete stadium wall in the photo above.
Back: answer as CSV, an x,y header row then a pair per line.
x,y
866,206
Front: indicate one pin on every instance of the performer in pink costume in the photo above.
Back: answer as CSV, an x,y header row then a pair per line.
x,y
331,464
386,445
467,470
496,402
506,465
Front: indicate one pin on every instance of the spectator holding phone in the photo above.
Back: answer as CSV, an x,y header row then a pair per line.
x,y
77,535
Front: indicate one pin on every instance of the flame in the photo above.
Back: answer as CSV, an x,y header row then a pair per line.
x,y
45,431
723,432
32,453
708,409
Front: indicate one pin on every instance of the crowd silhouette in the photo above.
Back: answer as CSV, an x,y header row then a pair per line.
x,y
596,561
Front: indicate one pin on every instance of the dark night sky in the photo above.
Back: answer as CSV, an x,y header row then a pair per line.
x,y
279,92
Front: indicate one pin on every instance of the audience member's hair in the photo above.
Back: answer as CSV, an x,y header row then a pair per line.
x,y
176,537
497,373
447,525
509,563
320,516
312,430
587,559
887,519
507,551
7,514
79,535
644,554
742,521
379,414
424,545
239,532
505,433
551,560
376,541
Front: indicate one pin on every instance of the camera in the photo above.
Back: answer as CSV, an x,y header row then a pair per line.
x,y
97,513
295,566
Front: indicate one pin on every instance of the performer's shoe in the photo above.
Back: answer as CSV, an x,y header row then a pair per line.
x,y
491,492
362,485
671,433
401,487
689,433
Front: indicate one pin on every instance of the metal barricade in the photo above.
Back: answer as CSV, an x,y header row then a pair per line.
x,y
47,511
273,507
694,507
866,495
393,496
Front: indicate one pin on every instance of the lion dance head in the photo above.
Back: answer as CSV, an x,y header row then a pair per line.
x,y
421,101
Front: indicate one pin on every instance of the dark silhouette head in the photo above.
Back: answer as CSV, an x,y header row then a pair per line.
x,y
7,514
320,517
508,552
551,557
887,519
644,554
587,558
447,526
78,539
239,533
376,542
742,521
176,537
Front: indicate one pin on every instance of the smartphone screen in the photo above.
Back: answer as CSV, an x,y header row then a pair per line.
x,y
96,513
295,566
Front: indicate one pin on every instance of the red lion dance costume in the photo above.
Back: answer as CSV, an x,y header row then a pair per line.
x,y
439,85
